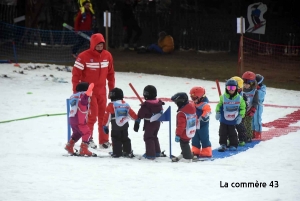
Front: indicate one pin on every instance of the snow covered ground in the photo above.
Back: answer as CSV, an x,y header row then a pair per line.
x,y
32,166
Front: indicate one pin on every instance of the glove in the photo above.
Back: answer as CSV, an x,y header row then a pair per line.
x,y
137,125
90,90
105,129
218,115
177,138
251,112
238,119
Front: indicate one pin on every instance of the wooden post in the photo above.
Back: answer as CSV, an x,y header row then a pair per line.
x,y
106,30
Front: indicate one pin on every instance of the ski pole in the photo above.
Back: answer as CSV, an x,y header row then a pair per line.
x,y
68,121
137,95
218,86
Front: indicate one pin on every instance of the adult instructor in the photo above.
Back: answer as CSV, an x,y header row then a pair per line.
x,y
95,65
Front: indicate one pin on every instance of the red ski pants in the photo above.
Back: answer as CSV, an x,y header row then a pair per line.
x,y
97,110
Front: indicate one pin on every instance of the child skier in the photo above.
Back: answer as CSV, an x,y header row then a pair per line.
x,y
203,110
150,110
78,114
250,91
118,112
186,121
229,111
241,129
257,118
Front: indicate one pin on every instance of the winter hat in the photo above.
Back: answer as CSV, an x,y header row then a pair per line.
x,y
259,79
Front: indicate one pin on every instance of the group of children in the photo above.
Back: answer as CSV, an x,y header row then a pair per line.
x,y
239,108
239,111
117,113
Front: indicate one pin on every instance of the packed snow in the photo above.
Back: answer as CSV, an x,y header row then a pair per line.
x,y
32,165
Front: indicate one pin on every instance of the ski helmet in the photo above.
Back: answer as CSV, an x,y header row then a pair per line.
x,y
82,86
239,81
259,78
149,92
231,82
248,75
180,99
198,92
116,94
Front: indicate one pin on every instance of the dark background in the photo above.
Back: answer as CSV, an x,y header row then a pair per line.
x,y
194,24
198,27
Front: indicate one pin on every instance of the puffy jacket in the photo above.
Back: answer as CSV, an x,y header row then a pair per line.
x,y
181,120
94,67
82,24
147,109
81,114
109,116
242,107
166,44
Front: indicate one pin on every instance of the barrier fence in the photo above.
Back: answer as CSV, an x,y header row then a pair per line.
x,y
277,63
208,26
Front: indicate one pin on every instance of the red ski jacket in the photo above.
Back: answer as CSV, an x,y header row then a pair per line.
x,y
94,67
81,24
181,120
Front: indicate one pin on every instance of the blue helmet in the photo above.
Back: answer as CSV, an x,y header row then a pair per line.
x,y
231,82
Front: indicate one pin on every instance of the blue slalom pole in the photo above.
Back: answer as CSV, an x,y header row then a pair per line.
x,y
170,141
15,54
68,121
166,116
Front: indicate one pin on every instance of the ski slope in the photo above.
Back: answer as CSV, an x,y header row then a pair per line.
x,y
32,165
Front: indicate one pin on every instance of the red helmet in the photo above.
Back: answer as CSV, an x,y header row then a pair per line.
x,y
197,92
248,75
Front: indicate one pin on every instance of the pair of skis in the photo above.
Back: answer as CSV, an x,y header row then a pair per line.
x,y
140,157
76,153
175,159
254,28
78,32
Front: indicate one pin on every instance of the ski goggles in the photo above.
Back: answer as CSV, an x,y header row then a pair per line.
x,y
232,88
248,81
194,97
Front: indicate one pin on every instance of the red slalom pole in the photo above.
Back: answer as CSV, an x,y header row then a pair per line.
x,y
137,95
218,86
